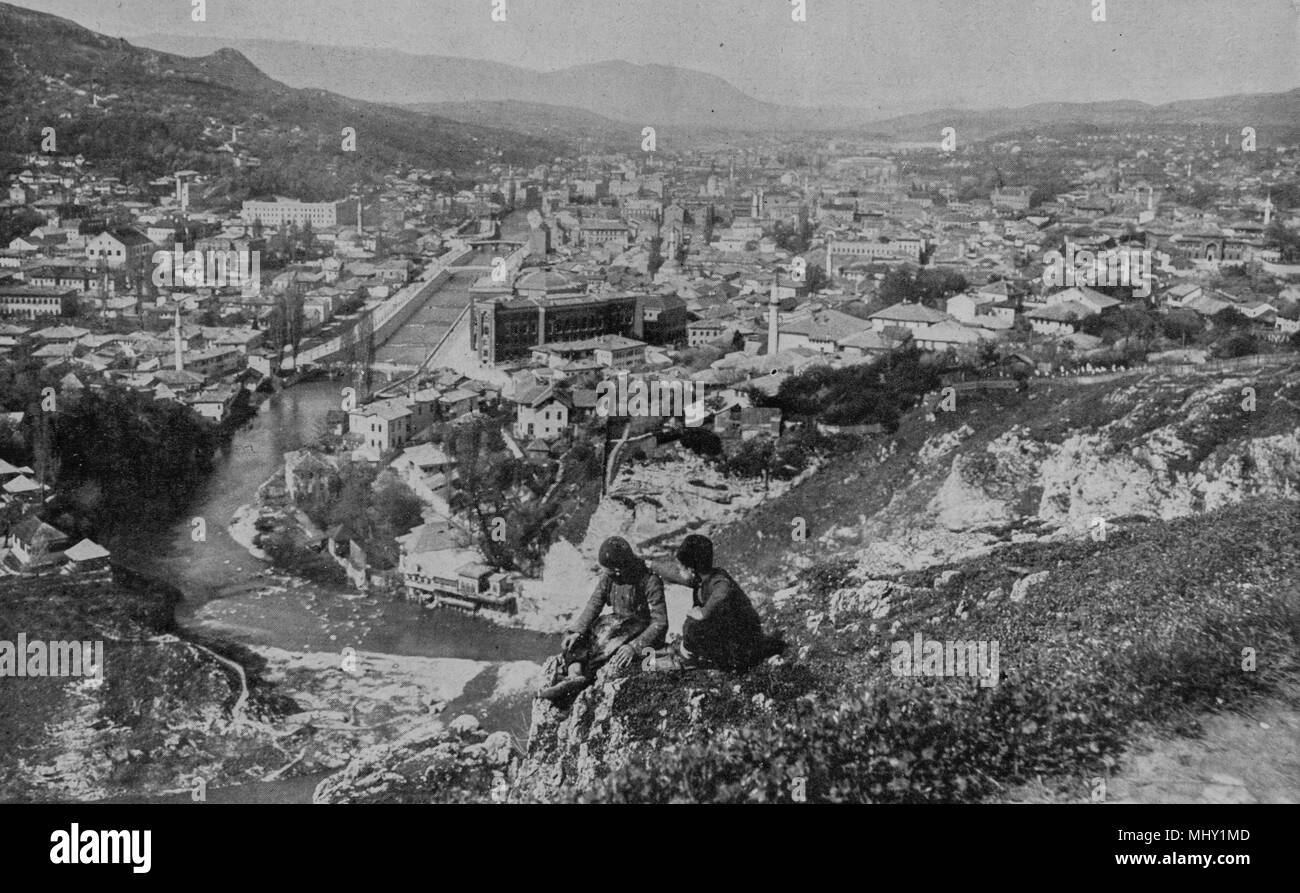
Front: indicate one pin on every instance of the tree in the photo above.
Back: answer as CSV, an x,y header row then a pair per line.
x,y
1230,319
1276,235
286,324
656,255
925,286
484,481
1182,325
1236,344
398,508
753,458
1122,322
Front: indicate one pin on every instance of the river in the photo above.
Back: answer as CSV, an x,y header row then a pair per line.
x,y
229,593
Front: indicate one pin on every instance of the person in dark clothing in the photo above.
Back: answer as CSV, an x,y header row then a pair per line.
x,y
638,620
722,628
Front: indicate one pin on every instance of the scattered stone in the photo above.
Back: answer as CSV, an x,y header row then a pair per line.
x,y
781,596
465,724
1021,587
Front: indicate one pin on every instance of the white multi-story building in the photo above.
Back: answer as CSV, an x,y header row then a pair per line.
x,y
287,210
385,424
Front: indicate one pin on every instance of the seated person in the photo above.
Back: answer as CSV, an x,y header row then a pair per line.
x,y
722,629
638,620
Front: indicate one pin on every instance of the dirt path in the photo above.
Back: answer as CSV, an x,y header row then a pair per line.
x,y
1244,756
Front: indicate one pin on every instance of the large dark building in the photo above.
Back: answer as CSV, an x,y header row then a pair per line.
x,y
547,306
661,319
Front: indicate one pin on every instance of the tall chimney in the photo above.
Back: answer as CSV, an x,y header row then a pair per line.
x,y
773,332
179,360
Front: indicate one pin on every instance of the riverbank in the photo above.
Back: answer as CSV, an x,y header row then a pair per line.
x,y
357,699
296,632
171,706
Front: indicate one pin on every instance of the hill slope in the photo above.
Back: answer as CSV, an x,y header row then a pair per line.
x,y
661,95
167,707
973,527
159,105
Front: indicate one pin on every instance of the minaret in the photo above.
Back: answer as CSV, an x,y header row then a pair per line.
x,y
773,332
179,360
1268,208
830,264
673,245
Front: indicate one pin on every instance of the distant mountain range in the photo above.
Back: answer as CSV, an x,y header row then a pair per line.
x,y
661,95
52,69
658,95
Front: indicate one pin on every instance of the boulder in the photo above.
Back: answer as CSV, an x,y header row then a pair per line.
x,y
1020,588
464,724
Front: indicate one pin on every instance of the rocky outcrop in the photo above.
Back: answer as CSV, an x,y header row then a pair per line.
x,y
613,722
1163,448
649,502
872,600
458,762
1020,589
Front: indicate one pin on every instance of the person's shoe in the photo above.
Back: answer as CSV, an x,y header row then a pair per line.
x,y
659,660
567,686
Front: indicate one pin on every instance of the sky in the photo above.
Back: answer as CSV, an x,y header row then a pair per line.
x,y
892,55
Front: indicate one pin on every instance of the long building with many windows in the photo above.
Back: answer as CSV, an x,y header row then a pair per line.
x,y
506,331
547,306
287,210
26,302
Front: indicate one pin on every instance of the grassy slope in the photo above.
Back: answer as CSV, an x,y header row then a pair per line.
x,y
1143,631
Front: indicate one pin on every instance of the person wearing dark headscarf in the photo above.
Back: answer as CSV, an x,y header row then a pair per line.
x,y
637,620
722,628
